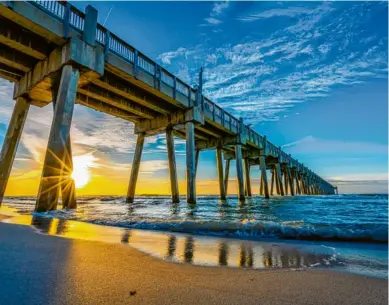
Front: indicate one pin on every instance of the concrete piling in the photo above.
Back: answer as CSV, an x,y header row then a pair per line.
x,y
279,178
219,162
66,183
239,171
247,177
226,175
11,141
262,164
172,166
190,163
56,152
135,168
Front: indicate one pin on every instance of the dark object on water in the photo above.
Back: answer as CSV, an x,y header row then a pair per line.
x,y
132,293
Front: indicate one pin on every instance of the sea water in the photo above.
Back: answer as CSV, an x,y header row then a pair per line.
x,y
344,232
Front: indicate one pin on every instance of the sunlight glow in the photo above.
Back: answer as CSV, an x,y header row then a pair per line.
x,y
81,173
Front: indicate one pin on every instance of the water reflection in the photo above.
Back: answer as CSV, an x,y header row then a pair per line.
x,y
42,224
189,249
223,254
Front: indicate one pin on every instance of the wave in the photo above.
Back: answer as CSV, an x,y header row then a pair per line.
x,y
297,230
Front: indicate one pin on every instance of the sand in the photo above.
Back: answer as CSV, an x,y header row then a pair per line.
x,y
41,269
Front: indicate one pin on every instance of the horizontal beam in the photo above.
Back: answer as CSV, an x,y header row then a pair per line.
x,y
23,40
117,101
124,70
120,87
102,107
10,74
15,59
90,61
159,123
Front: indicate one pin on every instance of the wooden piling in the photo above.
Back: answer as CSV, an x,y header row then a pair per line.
x,y
190,163
11,141
172,166
135,168
219,162
239,171
56,149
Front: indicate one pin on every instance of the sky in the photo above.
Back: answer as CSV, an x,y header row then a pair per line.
x,y
311,76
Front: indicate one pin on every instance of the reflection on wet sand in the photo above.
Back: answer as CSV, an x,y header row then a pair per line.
x,y
224,252
186,248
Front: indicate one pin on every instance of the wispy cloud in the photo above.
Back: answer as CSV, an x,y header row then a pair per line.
x,y
212,20
219,7
262,76
217,10
288,12
312,145
167,57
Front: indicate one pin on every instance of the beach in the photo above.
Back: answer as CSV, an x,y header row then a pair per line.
x,y
41,269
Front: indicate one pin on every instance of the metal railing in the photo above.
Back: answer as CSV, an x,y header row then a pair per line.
x,y
62,10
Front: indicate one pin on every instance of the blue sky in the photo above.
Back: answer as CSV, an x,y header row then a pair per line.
x,y
312,76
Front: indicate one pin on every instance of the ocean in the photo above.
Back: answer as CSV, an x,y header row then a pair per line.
x,y
344,232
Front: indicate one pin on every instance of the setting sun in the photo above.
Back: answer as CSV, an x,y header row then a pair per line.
x,y
81,173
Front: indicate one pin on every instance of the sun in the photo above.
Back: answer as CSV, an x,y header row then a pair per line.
x,y
81,173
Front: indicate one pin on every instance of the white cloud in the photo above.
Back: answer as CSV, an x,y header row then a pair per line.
x,y
219,7
212,20
216,11
312,145
285,12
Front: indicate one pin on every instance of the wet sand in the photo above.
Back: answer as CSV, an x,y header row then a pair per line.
x,y
40,269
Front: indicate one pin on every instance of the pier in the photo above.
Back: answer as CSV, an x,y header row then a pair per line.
x,y
54,53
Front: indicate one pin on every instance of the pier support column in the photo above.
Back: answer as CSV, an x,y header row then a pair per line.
x,y
197,160
220,173
190,163
279,178
226,175
247,177
286,184
297,181
135,168
302,182
308,185
272,182
290,178
11,141
56,149
239,171
172,165
276,180
261,186
66,182
262,165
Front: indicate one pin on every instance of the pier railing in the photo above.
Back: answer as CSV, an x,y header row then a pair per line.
x,y
148,71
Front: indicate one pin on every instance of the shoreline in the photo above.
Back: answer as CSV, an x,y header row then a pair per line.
x,y
55,270
215,251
